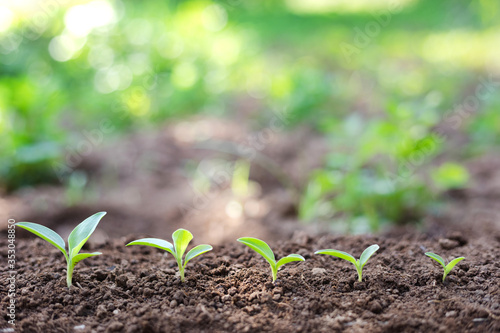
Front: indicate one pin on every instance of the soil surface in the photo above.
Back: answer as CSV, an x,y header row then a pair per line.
x,y
137,289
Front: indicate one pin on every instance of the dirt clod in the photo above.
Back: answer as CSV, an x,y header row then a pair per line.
x,y
448,244
115,327
318,271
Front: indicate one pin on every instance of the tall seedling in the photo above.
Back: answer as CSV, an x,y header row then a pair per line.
x,y
76,240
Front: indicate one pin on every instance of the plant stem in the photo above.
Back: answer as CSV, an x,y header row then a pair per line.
x,y
181,268
274,272
69,274
182,275
360,274
181,272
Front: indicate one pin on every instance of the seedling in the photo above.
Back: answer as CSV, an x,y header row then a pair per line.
x,y
76,240
359,264
181,238
264,250
447,268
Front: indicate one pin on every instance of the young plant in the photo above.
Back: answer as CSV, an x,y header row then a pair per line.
x,y
181,238
76,240
264,250
359,264
447,268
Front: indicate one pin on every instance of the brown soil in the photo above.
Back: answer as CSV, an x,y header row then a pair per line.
x,y
136,289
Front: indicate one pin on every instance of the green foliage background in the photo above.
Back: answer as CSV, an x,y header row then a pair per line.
x,y
382,80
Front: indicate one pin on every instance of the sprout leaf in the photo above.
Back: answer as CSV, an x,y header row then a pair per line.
x,y
181,238
447,268
76,240
367,253
436,257
260,247
82,232
155,242
45,233
338,254
196,251
359,264
265,251
289,258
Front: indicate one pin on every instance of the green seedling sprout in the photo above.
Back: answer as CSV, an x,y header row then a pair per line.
x,y
76,240
359,264
181,238
447,268
264,250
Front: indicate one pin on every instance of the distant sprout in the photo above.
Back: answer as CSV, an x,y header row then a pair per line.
x,y
447,268
240,183
181,238
359,264
76,240
264,250
75,187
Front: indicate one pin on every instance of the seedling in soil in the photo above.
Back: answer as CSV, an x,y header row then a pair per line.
x,y
76,240
359,264
447,268
264,250
181,238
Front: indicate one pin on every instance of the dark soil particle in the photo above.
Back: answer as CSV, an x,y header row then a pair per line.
x,y
138,289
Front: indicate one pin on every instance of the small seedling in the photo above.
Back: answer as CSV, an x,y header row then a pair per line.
x,y
447,268
76,240
359,264
181,238
264,250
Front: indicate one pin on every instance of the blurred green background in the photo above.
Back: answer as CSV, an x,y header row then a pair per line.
x,y
392,85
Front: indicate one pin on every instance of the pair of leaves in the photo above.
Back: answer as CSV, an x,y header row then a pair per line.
x,y
76,239
181,238
359,264
264,250
447,268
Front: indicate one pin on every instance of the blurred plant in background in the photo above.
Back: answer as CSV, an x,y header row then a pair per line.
x,y
378,173
377,78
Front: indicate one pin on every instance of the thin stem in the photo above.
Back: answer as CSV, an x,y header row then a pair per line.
x,y
360,274
181,268
181,271
69,273
274,270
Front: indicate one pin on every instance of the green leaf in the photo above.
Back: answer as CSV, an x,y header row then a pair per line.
x,y
260,247
79,257
155,242
45,233
437,258
289,258
367,253
339,254
196,251
452,264
181,238
82,232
